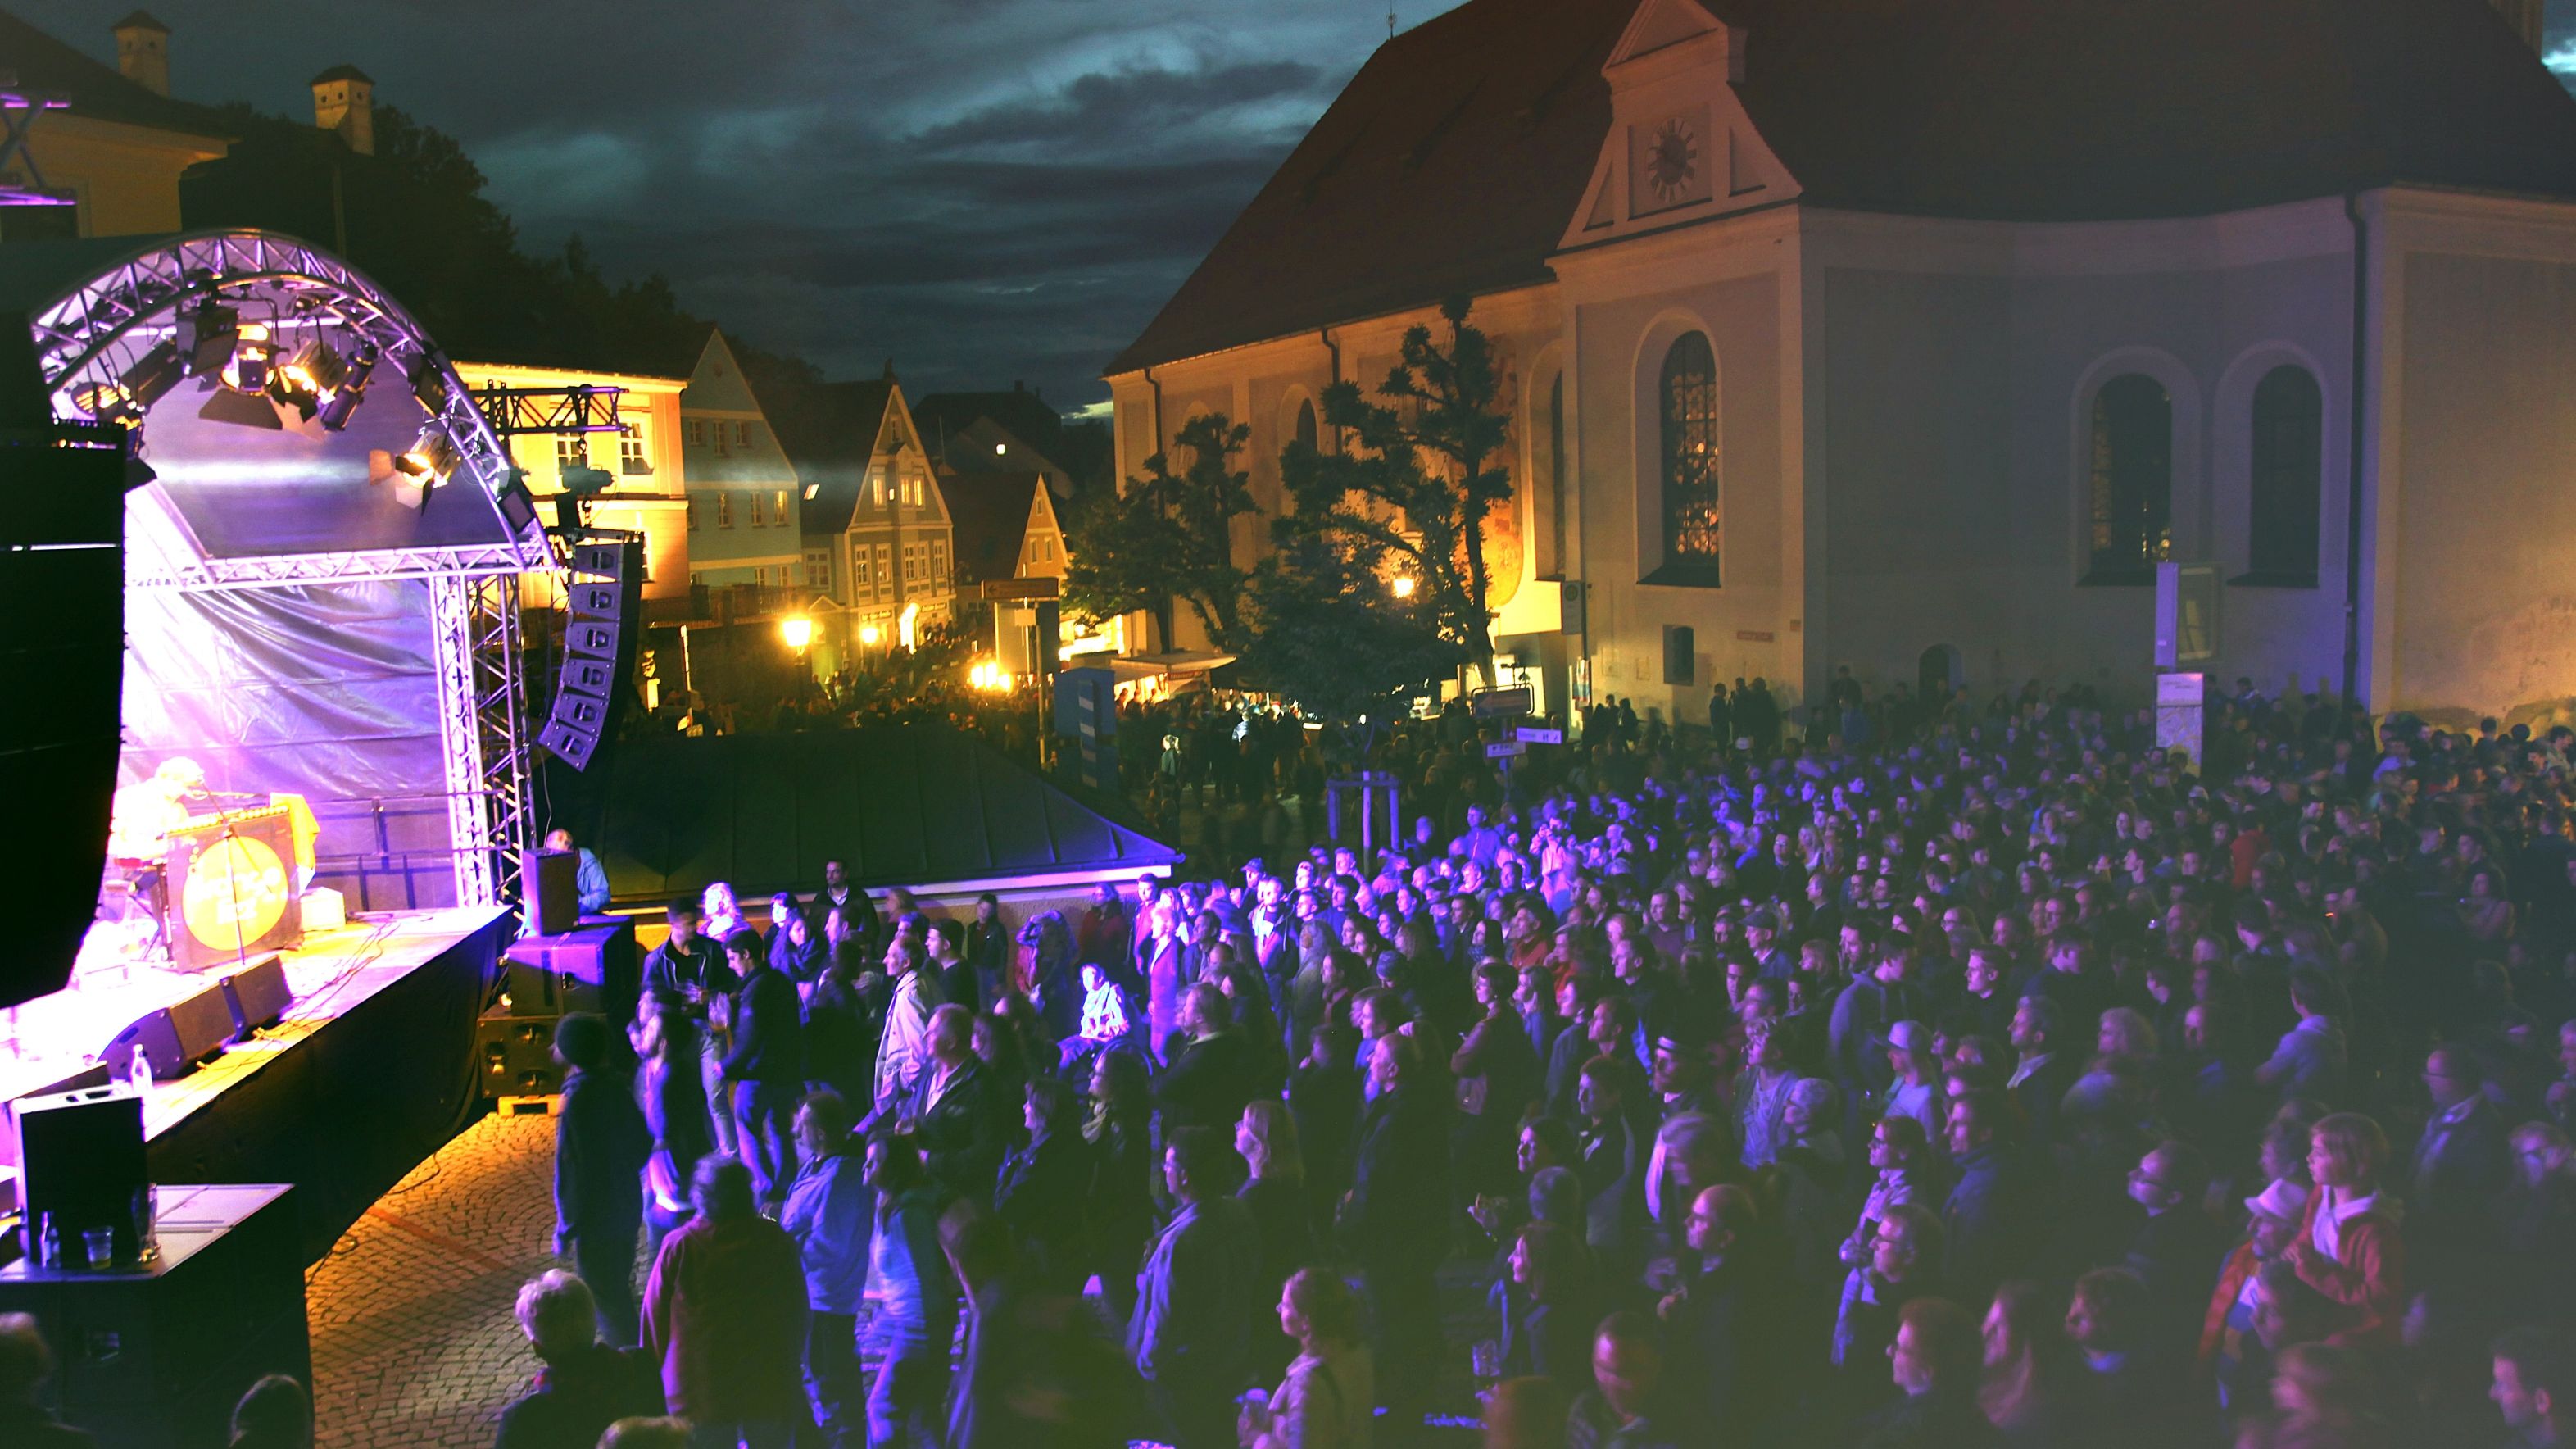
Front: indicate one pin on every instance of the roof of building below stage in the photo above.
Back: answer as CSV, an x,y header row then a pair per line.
x,y
1454,161
914,805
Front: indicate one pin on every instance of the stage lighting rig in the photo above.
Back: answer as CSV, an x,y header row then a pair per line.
x,y
108,402
153,375
428,462
429,385
349,391
212,330
253,360
312,372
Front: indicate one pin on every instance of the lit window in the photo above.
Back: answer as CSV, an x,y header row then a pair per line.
x,y
781,514
1692,475
572,450
630,449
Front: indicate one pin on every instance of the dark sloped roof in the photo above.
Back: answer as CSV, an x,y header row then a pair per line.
x,y
901,804
830,435
988,518
97,89
1022,414
1455,159
344,73
141,20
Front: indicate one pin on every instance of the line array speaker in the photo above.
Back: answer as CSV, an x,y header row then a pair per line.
x,y
605,623
175,1038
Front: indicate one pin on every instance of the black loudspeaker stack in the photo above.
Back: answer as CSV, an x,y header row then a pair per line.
x,y
603,628
175,1038
80,1163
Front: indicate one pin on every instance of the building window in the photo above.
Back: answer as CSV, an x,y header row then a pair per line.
x,y
742,435
885,567
724,510
759,509
2132,480
1306,430
718,429
2288,478
939,561
694,431
1693,517
860,575
572,450
630,450
818,569
781,514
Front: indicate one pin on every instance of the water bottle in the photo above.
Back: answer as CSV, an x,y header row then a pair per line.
x,y
49,1244
139,1074
147,1230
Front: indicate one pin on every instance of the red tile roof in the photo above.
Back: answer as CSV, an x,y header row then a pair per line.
x,y
1454,160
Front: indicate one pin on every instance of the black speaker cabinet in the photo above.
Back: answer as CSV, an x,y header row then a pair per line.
x,y
175,1038
514,1056
80,1159
257,997
549,889
93,1075
154,1356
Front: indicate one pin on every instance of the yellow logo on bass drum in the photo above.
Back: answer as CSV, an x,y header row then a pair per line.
x,y
236,892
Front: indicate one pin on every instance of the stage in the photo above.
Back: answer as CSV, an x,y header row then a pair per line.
x,y
371,1069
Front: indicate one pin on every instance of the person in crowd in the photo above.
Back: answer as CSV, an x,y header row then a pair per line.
x,y
1934,1360
723,911
584,1385
1118,1130
692,967
1628,1406
589,877
1762,1092
2132,1380
2179,1246
794,948
26,1362
1210,1075
275,1412
1723,1317
2231,1351
904,1046
1991,1219
1189,1336
674,1101
602,1143
724,1315
1902,1265
2325,1397
1395,1218
842,1022
917,1295
1546,1306
955,1112
1325,1401
1042,1192
2534,1387
1283,1214
1526,1413
765,1069
831,1214
2349,1247
2028,1385
2460,1163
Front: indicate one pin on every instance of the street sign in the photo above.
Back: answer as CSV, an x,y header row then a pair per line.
x,y
1539,735
1505,749
1037,588
1492,702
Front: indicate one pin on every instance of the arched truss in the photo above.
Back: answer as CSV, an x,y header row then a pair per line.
x,y
89,338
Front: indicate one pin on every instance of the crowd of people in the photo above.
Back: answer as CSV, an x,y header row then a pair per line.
x,y
2000,1080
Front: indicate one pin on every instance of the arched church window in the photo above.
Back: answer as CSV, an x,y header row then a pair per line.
x,y
1694,516
2132,480
2287,477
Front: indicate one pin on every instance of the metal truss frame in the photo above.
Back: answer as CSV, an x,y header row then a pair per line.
x,y
589,408
88,339
482,731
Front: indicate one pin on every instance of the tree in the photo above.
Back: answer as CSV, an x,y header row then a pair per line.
x,y
1332,637
1411,497
1168,536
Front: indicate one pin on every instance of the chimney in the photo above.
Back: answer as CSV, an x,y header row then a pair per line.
x,y
2525,18
344,100
143,51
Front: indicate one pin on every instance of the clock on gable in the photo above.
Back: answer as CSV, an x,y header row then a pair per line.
x,y
1670,162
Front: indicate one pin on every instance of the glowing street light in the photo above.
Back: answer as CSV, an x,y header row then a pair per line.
x,y
797,630
869,634
1403,586
989,674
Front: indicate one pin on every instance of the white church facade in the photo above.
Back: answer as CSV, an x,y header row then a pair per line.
x,y
1838,342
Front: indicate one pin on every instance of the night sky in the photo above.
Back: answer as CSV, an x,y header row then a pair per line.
x,y
981,190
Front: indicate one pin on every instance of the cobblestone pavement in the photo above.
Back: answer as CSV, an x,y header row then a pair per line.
x,y
413,1342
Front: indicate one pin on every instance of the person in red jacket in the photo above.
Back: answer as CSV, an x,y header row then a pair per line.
x,y
724,1315
2348,1248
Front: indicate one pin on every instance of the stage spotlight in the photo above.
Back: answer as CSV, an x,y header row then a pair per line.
x,y
243,409
107,402
314,370
252,362
212,330
154,374
429,385
349,391
431,458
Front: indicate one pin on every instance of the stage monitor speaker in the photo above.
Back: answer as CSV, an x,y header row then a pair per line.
x,y
603,628
257,997
93,1075
549,890
81,1158
175,1038
62,587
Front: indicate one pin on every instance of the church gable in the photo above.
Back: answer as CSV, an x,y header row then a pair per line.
x,y
1680,146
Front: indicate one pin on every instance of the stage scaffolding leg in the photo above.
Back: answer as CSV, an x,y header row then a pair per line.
x,y
481,731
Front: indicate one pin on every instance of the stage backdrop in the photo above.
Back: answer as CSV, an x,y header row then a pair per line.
x,y
327,691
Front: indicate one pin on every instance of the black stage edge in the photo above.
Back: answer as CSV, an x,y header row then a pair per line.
x,y
347,1111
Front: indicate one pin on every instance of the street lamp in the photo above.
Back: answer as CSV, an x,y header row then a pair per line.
x,y
797,630
869,634
1403,586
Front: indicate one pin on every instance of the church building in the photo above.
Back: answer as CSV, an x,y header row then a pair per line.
x,y
1915,336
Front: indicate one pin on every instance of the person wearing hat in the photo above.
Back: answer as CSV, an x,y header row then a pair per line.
x,y
601,1144
2229,1350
